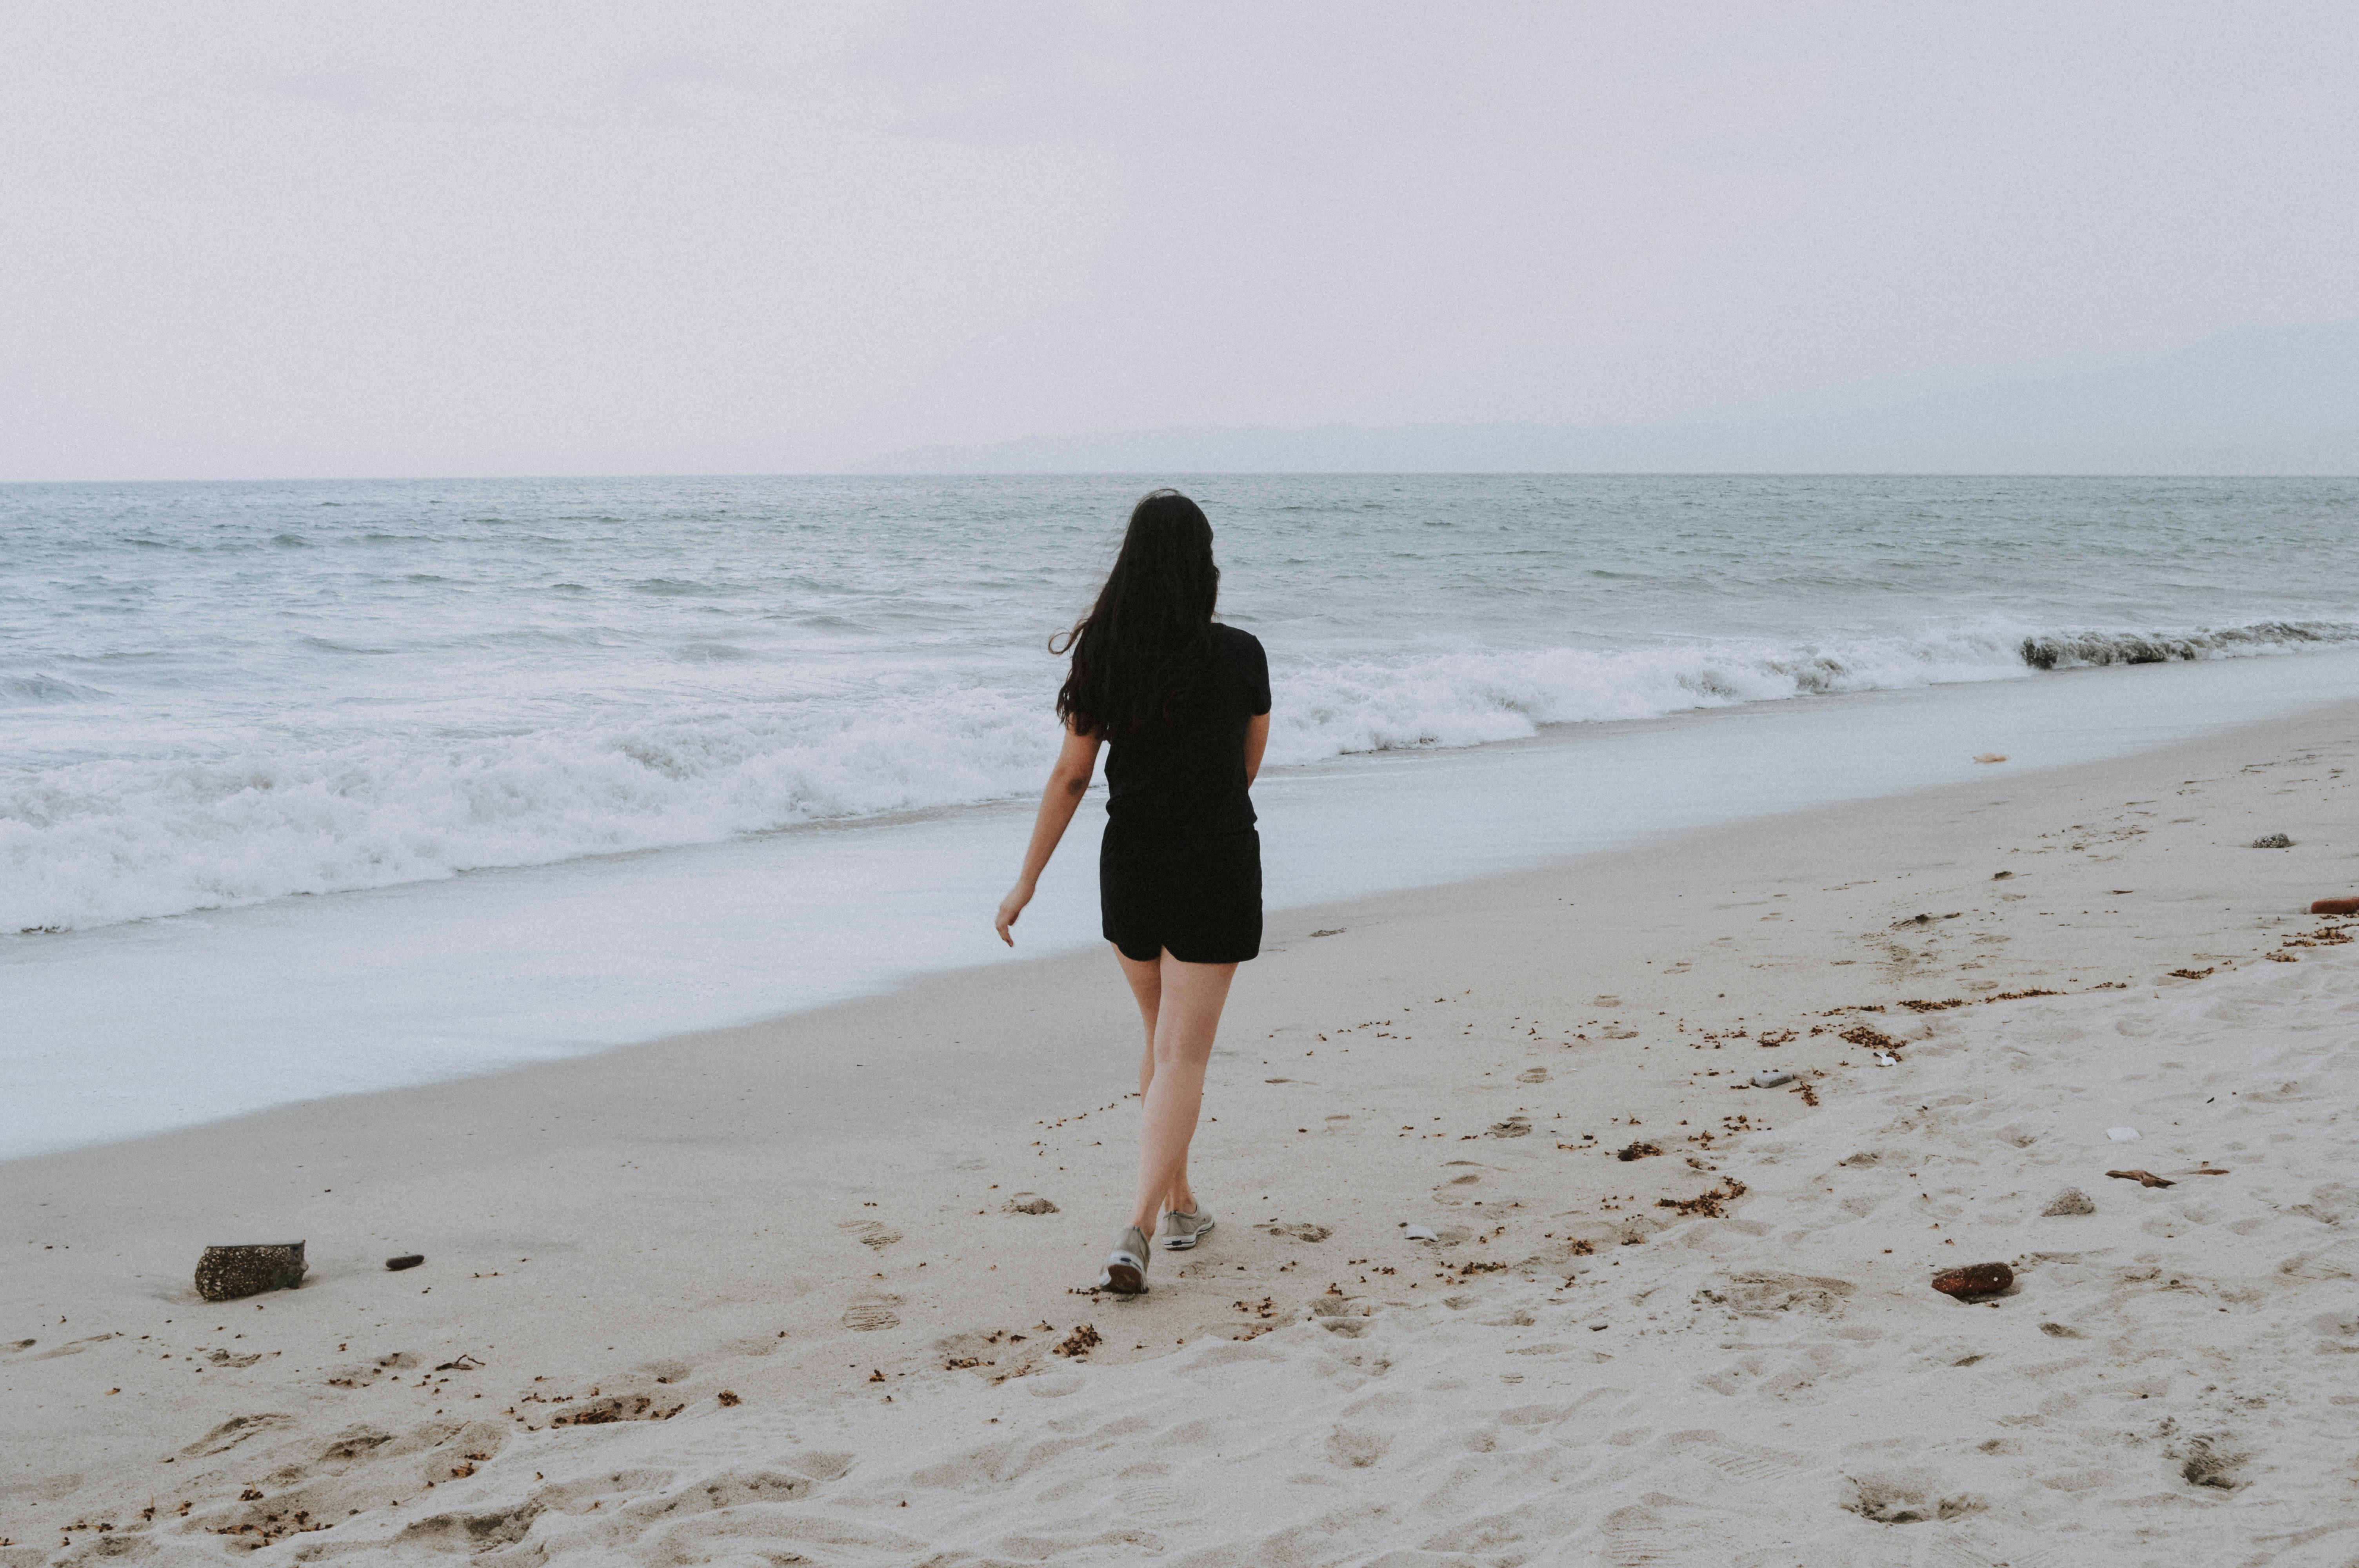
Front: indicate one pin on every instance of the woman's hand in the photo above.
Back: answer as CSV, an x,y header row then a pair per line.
x,y
1009,908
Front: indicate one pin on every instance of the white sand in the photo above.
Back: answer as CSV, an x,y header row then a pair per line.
x,y
2165,1384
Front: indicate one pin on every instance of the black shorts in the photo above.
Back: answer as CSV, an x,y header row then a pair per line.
x,y
1197,897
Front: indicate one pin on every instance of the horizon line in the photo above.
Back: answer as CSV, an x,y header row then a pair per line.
x,y
1205,473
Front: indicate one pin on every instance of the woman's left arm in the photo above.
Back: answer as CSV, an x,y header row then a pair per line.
x,y
1256,741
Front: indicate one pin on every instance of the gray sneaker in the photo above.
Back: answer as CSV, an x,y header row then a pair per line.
x,y
1125,1267
1181,1231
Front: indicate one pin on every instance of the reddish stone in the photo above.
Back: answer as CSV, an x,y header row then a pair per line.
x,y
1975,1280
2335,906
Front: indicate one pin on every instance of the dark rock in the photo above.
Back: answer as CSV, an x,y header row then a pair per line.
x,y
1975,1280
2272,841
225,1273
406,1260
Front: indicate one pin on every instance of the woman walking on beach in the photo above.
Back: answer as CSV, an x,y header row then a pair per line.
x,y
1183,703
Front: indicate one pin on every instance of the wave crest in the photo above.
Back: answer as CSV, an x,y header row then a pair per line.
x,y
24,690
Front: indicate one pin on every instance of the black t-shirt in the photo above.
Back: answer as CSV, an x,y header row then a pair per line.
x,y
1189,777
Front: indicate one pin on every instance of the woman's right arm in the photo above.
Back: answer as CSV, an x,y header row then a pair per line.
x,y
1068,781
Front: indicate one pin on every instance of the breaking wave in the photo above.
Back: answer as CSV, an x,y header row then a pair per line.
x,y
97,842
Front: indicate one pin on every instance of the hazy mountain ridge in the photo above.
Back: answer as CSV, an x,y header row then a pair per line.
x,y
2278,401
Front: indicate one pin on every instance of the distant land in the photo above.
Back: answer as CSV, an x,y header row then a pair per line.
x,y
2273,401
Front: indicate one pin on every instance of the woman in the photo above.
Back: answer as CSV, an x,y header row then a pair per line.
x,y
1184,704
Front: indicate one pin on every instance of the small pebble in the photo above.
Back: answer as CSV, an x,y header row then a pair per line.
x,y
1770,1077
406,1260
1420,1233
2122,1134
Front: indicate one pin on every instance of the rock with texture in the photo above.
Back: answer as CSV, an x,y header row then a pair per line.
x,y
1975,1280
225,1273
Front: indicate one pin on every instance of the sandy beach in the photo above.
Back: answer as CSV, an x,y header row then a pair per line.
x,y
816,1290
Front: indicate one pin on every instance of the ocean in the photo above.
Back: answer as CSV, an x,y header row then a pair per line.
x,y
319,787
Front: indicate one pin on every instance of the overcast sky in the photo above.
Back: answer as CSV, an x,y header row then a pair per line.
x,y
256,239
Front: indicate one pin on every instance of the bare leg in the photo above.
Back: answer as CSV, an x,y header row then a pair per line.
x,y
1187,1014
1146,989
1145,979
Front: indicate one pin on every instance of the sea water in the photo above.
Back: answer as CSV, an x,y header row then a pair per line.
x,y
309,788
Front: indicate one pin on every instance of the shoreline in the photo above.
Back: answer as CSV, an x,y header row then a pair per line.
x,y
796,1209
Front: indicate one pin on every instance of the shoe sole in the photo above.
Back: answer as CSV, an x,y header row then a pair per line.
x,y
1123,1279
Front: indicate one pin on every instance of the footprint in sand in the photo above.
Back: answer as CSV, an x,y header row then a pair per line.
x,y
1659,1535
353,1442
870,1313
1357,1449
1157,1503
234,1431
1736,1460
1907,1496
1300,1231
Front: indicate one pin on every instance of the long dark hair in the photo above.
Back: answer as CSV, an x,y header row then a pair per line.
x,y
1141,652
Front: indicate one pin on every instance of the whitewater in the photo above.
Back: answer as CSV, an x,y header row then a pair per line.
x,y
217,695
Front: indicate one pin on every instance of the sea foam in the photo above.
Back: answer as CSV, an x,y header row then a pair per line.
x,y
92,843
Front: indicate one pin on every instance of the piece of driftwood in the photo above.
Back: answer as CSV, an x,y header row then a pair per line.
x,y
225,1273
